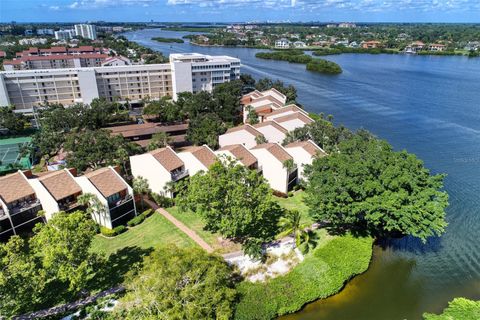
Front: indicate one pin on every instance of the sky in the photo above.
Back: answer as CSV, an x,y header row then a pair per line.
x,y
240,10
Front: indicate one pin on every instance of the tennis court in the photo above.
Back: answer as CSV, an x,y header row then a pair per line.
x,y
10,153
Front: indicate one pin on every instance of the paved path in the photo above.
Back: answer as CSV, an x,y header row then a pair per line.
x,y
189,232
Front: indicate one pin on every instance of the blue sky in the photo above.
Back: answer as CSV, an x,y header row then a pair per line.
x,y
241,10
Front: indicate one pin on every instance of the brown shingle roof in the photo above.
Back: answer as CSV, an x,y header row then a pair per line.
x,y
14,187
133,130
288,108
167,158
203,154
271,123
241,153
245,127
297,115
60,184
276,150
106,181
308,146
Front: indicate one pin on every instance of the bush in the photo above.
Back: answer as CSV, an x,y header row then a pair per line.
x,y
322,274
290,193
107,232
162,201
136,221
119,229
147,213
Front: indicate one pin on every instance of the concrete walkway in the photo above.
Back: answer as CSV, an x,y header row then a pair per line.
x,y
189,232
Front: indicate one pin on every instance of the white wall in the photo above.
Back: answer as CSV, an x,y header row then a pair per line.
x,y
146,166
4,100
87,82
272,134
49,204
88,187
272,169
301,158
191,163
237,137
181,77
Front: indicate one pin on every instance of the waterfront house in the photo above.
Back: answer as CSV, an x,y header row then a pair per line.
x,y
240,155
245,135
437,47
272,131
197,158
57,191
19,206
299,44
113,193
303,153
371,44
262,102
287,110
282,43
294,120
278,166
160,167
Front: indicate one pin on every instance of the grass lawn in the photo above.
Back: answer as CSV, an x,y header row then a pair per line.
x,y
153,232
195,223
323,273
296,203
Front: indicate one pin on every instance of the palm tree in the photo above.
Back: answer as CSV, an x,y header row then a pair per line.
x,y
260,139
140,186
290,224
308,241
159,140
289,165
93,204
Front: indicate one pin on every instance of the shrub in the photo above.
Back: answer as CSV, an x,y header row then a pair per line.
x,y
147,213
135,221
290,194
321,274
107,232
119,229
162,201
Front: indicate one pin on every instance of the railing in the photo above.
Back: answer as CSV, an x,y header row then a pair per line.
x,y
27,205
3,215
179,175
68,206
122,209
120,202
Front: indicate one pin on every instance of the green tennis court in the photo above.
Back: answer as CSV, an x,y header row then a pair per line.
x,y
10,153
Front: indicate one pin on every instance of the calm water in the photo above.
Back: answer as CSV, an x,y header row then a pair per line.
x,y
427,105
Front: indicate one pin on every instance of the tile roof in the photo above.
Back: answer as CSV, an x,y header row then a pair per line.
x,y
297,115
289,108
14,187
241,153
167,158
271,123
133,130
203,154
308,146
60,184
245,127
276,150
106,181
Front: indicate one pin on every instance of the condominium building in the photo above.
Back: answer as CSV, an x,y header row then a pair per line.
x,y
86,31
197,159
303,154
26,89
64,34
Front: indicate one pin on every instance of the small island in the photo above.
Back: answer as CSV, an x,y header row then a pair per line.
x,y
297,56
168,40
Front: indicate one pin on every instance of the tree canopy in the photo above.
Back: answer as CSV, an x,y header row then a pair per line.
x,y
177,283
234,201
368,187
458,309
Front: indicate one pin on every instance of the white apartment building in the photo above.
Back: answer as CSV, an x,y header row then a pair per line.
x,y
303,153
282,43
86,31
197,159
26,89
159,167
64,34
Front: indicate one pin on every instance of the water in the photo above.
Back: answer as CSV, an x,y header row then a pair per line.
x,y
427,105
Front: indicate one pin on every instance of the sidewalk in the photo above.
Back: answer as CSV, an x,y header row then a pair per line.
x,y
189,232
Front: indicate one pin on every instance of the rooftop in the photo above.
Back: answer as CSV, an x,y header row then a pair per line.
x,y
60,184
167,158
245,127
241,153
106,181
271,123
203,154
276,150
14,187
308,146
297,115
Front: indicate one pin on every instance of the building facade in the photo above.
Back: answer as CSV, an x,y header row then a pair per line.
x,y
26,89
86,31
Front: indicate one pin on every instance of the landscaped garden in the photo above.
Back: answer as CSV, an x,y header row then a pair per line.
x,y
296,202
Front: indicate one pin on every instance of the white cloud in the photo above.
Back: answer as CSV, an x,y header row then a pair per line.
x,y
54,8
93,4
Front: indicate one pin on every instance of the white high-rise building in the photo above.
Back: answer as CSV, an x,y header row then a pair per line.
x,y
64,34
195,72
86,31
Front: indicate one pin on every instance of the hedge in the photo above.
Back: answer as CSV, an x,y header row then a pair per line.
x,y
136,221
321,274
107,232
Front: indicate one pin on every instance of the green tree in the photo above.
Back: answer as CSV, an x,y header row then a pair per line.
x,y
235,202
458,309
205,129
141,187
252,116
260,139
368,187
63,246
159,140
177,283
290,224
13,122
227,98
93,204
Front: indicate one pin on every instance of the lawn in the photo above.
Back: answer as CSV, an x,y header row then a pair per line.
x,y
153,232
195,223
296,203
322,274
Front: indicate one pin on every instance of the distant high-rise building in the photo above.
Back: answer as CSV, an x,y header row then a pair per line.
x,y
45,32
86,31
64,34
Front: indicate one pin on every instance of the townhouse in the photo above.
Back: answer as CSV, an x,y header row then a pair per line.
x,y
245,135
294,120
303,153
262,102
272,131
197,159
278,166
19,206
160,168
287,110
239,154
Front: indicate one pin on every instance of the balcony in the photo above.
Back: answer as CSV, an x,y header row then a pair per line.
x,y
118,203
68,206
178,175
24,206
125,207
